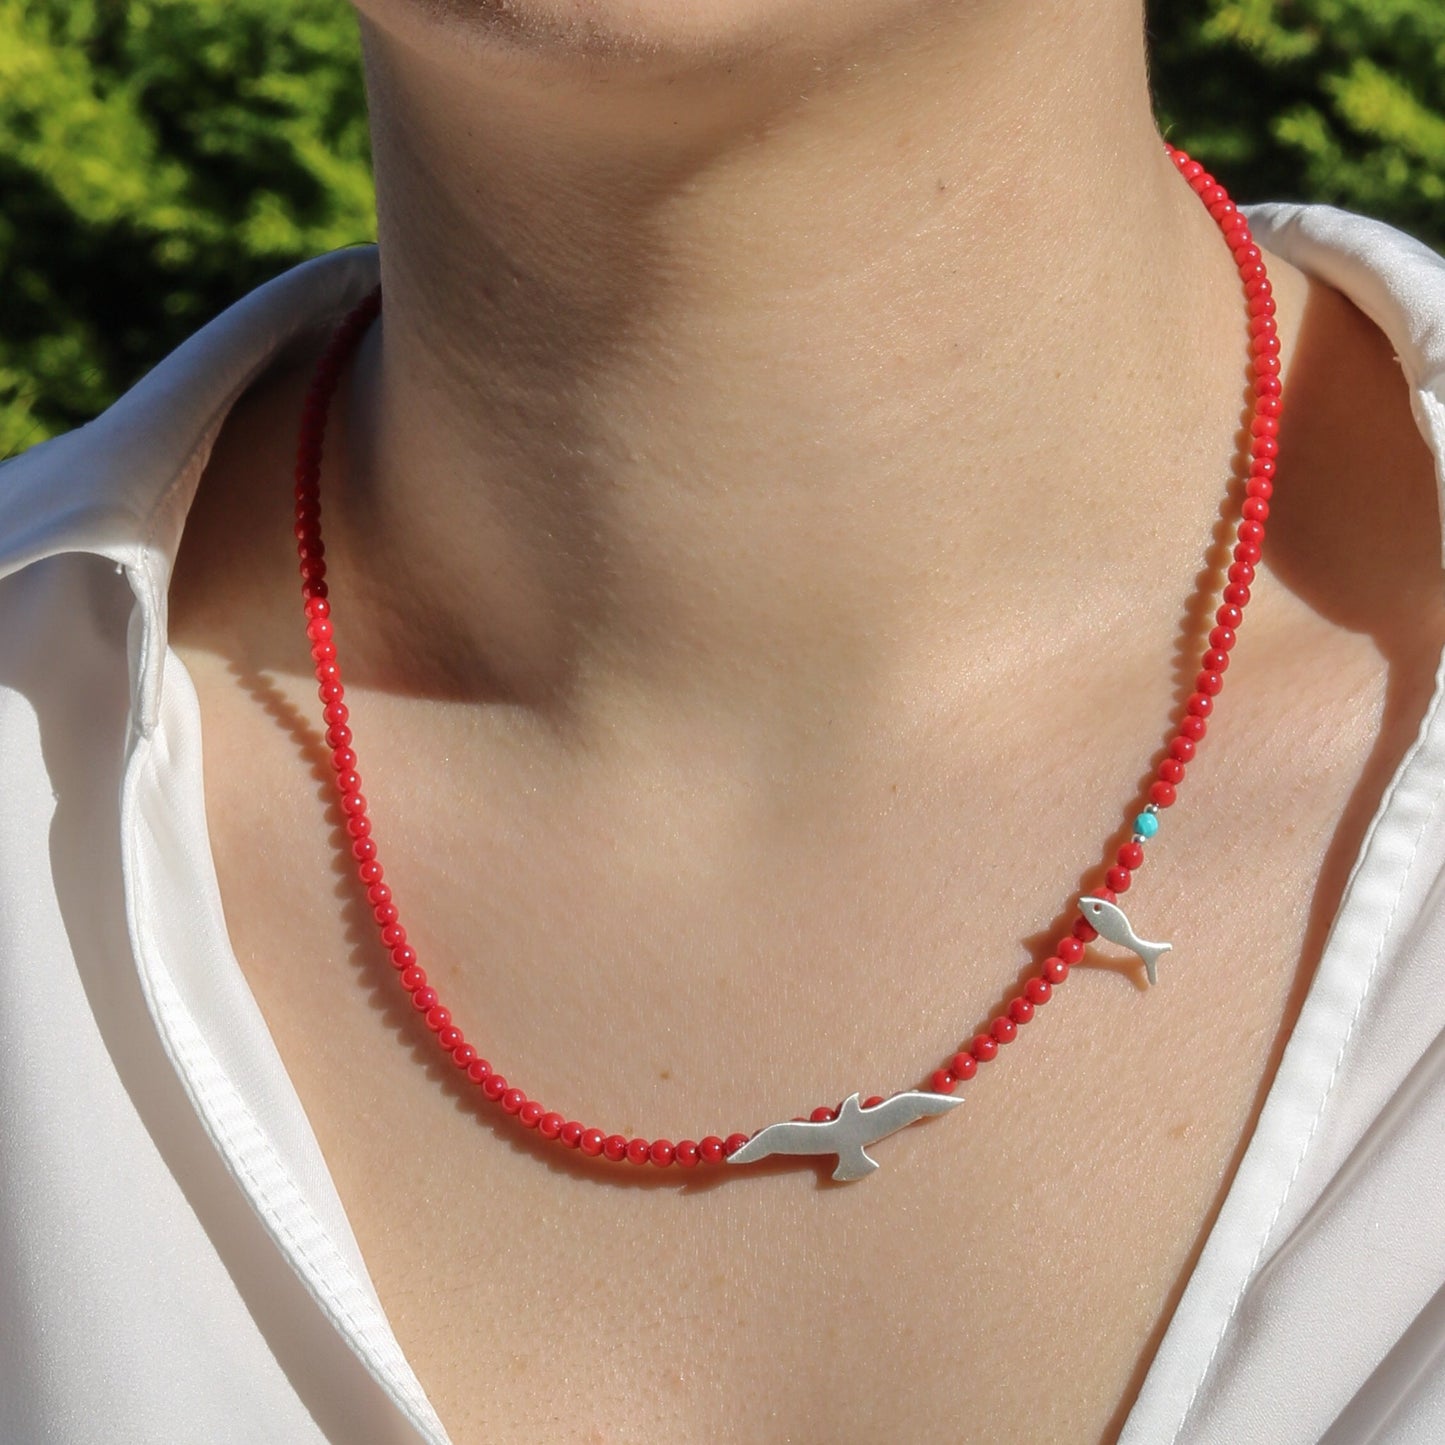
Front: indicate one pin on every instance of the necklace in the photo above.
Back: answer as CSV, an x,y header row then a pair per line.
x,y
843,1131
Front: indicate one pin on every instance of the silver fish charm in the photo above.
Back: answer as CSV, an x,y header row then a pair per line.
x,y
846,1135
1109,922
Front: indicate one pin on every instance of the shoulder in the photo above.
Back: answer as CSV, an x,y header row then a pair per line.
x,y
119,489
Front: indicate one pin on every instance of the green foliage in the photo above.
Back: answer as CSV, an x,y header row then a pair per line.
x,y
1319,100
158,158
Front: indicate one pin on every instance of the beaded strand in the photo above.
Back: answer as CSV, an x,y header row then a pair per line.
x,y
1067,950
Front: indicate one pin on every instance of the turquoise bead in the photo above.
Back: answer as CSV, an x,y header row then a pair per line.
x,y
1147,824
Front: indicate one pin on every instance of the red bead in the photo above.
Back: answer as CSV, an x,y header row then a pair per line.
x,y
942,1082
872,1101
1264,349
823,1114
1039,991
963,1066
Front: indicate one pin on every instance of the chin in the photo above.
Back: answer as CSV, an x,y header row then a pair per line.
x,y
668,34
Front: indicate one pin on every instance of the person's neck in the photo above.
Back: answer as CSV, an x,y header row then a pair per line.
x,y
754,386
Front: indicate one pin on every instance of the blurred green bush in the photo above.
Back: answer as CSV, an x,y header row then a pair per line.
x,y
1323,100
158,158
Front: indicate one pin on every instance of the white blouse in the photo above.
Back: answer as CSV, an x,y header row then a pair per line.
x,y
175,1263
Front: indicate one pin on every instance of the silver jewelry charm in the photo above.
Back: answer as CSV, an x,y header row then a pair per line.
x,y
1108,920
846,1135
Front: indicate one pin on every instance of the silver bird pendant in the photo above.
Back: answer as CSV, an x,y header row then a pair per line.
x,y
1109,922
846,1135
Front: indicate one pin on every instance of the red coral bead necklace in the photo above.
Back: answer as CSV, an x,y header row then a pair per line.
x,y
846,1130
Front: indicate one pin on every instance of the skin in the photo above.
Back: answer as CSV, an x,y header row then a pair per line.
x,y
770,538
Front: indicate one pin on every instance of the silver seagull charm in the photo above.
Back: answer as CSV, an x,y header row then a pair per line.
x,y
847,1134
1109,921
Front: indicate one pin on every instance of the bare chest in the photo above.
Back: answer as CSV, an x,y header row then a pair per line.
x,y
1006,1274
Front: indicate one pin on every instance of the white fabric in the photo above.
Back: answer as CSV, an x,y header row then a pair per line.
x,y
174,1261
